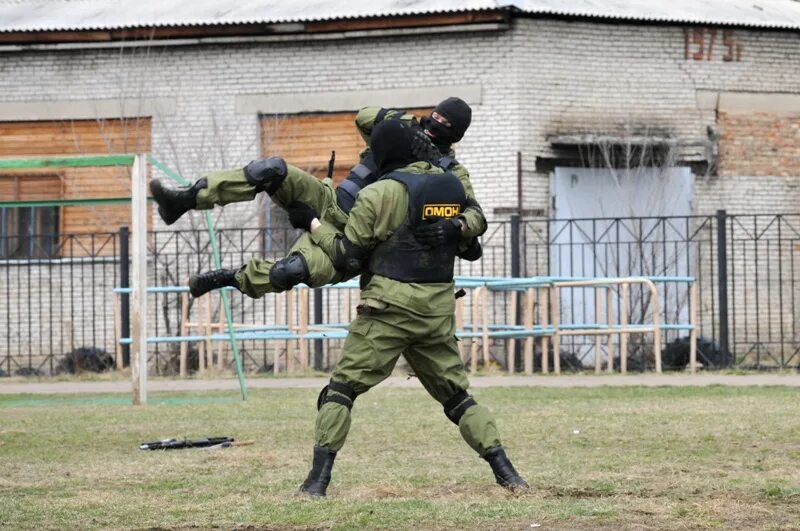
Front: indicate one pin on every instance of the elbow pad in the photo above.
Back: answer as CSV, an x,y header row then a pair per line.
x,y
350,258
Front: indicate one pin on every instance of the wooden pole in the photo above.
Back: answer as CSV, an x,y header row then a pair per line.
x,y
485,311
209,331
292,344
303,294
183,369
201,345
609,321
623,337
556,305
656,324
544,311
118,330
511,353
530,301
473,361
597,349
693,322
139,279
221,344
276,362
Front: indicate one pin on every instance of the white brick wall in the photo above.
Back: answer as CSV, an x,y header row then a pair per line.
x,y
542,77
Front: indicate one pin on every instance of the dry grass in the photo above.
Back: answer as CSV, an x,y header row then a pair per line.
x,y
663,458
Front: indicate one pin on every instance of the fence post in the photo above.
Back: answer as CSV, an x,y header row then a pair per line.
x,y
722,280
139,295
515,272
124,282
318,320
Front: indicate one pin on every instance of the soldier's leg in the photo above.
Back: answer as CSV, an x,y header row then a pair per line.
x,y
306,263
370,352
319,194
437,364
373,345
283,182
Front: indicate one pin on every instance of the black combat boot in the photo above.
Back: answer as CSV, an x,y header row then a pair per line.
x,y
210,280
317,481
504,471
174,202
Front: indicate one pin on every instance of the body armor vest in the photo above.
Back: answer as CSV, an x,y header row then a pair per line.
x,y
402,257
362,174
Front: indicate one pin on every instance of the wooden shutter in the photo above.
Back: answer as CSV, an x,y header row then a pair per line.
x,y
306,140
77,137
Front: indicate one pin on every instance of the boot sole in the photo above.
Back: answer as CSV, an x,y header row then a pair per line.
x,y
300,492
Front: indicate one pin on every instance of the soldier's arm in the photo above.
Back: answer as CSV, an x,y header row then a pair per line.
x,y
367,116
325,236
473,219
379,210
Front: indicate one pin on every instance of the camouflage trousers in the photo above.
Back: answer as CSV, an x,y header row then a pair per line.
x,y
375,340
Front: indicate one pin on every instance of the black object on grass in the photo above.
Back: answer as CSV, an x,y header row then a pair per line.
x,y
179,444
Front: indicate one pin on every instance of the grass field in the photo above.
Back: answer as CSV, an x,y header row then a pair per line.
x,y
605,458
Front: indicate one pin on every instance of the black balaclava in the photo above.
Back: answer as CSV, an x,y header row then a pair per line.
x,y
391,145
458,113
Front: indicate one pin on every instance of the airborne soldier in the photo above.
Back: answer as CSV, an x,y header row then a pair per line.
x,y
288,186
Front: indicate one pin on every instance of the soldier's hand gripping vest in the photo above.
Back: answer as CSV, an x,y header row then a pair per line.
x,y
402,257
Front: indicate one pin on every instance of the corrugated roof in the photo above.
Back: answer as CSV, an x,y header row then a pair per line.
x,y
66,15
53,15
755,13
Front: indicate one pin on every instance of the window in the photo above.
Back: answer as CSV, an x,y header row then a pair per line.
x,y
29,232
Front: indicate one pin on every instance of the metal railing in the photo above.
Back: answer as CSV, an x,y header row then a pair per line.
x,y
747,269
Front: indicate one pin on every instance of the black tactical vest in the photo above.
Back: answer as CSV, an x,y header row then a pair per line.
x,y
362,174
401,257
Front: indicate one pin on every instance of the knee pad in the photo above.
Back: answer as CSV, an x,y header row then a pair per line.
x,y
266,174
342,394
289,272
457,405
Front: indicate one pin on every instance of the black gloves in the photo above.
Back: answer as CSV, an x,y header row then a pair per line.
x,y
442,232
473,252
422,147
301,215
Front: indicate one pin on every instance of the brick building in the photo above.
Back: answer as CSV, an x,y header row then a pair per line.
x,y
709,88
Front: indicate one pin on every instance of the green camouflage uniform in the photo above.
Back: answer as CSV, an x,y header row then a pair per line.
x,y
415,319
231,186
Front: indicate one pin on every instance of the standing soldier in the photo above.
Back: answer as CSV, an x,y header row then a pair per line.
x,y
288,185
407,303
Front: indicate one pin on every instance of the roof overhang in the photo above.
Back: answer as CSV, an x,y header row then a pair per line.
x,y
484,20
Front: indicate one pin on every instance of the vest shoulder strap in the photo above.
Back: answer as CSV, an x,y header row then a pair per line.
x,y
446,162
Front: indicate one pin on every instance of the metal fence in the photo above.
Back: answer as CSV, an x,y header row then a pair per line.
x,y
747,269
